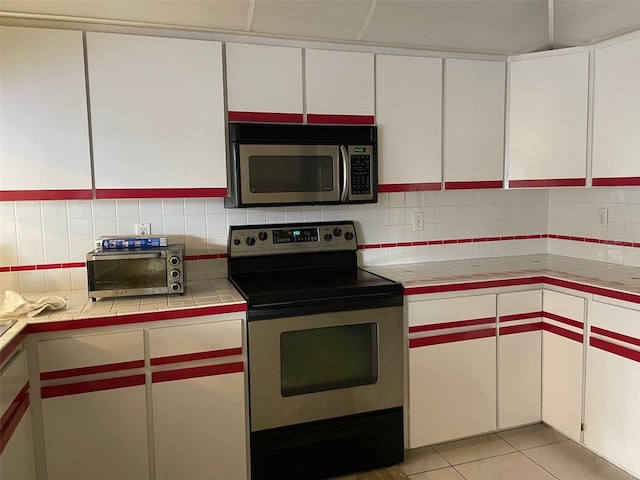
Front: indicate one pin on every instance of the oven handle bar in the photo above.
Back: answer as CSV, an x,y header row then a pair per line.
x,y
127,256
346,173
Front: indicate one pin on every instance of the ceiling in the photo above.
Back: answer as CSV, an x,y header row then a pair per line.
x,y
478,26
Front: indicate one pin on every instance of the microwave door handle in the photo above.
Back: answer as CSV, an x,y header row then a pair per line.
x,y
126,257
346,173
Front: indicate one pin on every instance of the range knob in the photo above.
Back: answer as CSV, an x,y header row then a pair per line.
x,y
174,260
327,237
236,241
174,273
251,241
337,231
175,287
348,236
263,236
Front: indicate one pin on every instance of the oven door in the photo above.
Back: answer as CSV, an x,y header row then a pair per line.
x,y
330,365
281,174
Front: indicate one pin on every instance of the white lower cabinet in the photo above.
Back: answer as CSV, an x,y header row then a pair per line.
x,y
562,362
519,358
198,389
452,368
612,418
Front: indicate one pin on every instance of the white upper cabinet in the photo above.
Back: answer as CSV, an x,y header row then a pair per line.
x,y
264,83
339,87
409,120
44,146
157,113
616,113
474,123
547,119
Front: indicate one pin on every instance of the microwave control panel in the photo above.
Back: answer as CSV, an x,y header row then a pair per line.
x,y
361,170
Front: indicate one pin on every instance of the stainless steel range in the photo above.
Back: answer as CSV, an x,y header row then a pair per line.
x,y
325,351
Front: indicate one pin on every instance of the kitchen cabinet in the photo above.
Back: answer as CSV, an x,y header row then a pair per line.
x,y
94,406
339,86
44,153
474,97
562,362
612,419
519,358
547,118
264,83
409,120
157,115
452,368
17,460
198,392
616,113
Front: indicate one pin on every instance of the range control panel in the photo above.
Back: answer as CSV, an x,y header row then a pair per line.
x,y
291,238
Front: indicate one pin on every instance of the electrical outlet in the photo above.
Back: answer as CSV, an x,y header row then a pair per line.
x,y
418,221
143,229
602,217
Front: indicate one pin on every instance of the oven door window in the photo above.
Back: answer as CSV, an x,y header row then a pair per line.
x,y
291,173
129,273
328,358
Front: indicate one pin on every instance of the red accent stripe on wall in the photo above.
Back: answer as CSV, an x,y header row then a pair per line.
x,y
451,337
19,195
551,182
561,319
76,372
616,336
92,386
455,287
108,193
190,357
457,324
196,372
270,117
473,185
616,182
520,316
563,332
615,349
8,428
341,119
527,327
409,187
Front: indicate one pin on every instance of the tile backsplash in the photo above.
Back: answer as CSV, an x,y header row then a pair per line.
x,y
457,225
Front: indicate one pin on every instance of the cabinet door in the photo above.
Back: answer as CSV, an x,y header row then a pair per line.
x,y
94,407
17,461
409,120
474,123
562,361
339,87
612,419
519,358
547,122
157,116
452,368
616,113
199,401
44,152
264,83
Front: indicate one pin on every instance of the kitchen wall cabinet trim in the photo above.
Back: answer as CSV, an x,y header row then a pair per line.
x,y
265,117
115,193
548,183
36,195
476,184
409,187
341,119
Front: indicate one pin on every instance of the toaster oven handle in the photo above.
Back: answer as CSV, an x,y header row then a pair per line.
x,y
346,173
136,256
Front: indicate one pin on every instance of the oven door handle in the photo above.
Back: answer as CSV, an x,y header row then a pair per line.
x,y
346,173
115,256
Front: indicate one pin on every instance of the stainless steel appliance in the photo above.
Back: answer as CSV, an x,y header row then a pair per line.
x,y
136,271
325,351
284,164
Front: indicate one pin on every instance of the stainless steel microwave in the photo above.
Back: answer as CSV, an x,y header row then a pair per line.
x,y
300,164
136,271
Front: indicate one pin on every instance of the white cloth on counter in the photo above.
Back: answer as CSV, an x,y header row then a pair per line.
x,y
15,304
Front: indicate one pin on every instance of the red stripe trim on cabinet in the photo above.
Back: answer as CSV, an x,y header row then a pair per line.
x,y
473,185
527,327
92,386
409,187
10,347
10,427
22,395
455,287
109,193
196,372
561,319
576,337
551,182
457,324
76,372
615,349
616,182
270,117
190,357
616,336
520,316
18,195
451,337
341,119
